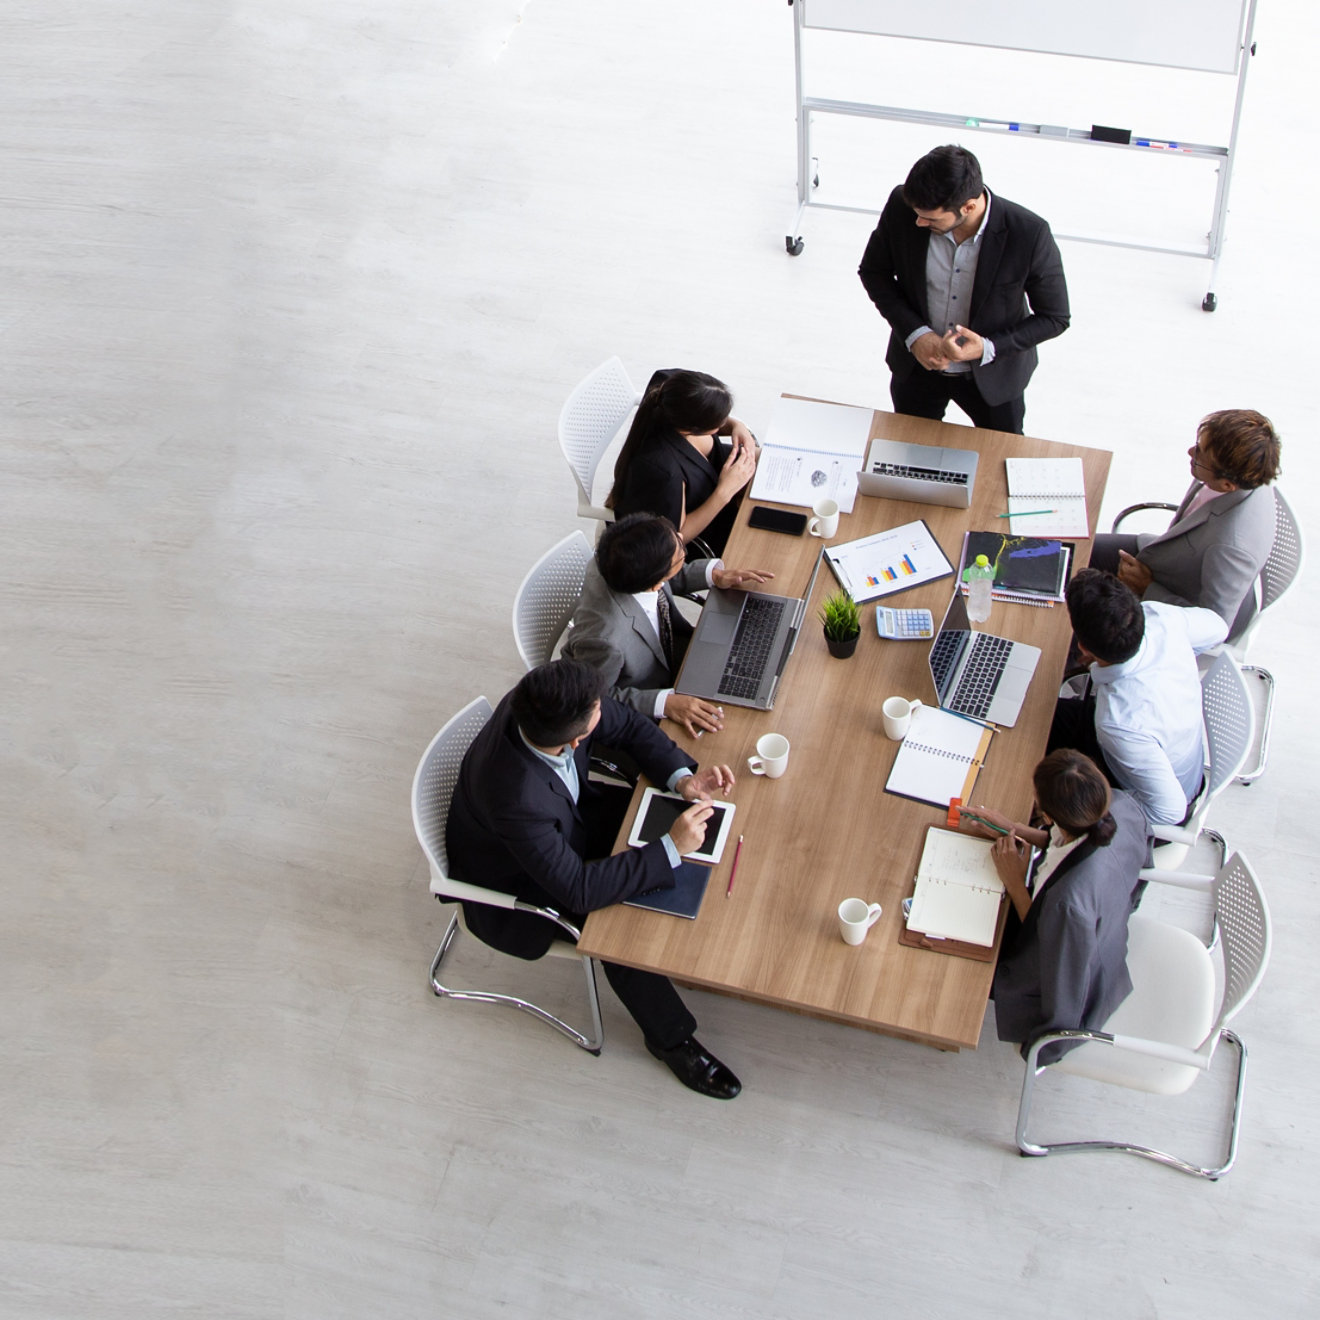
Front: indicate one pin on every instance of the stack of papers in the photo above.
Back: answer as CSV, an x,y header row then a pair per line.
x,y
812,451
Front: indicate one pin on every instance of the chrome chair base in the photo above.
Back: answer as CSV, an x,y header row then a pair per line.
x,y
592,1044
1030,1148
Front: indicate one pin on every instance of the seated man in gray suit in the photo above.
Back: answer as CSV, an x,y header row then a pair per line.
x,y
1223,531
626,624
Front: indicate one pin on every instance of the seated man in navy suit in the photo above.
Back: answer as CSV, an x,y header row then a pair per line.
x,y
626,624
526,821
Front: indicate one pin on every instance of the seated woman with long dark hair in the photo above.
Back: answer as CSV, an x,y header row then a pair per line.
x,y
1063,964
677,462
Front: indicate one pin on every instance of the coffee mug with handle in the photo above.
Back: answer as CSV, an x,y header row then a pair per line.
x,y
856,917
897,712
771,759
826,522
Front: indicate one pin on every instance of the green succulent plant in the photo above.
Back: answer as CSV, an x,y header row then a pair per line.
x,y
840,616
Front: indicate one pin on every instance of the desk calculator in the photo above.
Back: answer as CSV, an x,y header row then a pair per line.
x,y
904,625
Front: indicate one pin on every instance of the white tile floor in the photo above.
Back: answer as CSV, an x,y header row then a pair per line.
x,y
292,295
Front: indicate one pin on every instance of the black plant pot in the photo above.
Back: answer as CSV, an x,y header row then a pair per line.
x,y
841,650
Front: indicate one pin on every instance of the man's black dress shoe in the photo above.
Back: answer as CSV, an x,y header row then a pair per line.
x,y
698,1069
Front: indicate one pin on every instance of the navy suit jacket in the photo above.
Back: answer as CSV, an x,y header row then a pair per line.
x,y
1019,297
513,827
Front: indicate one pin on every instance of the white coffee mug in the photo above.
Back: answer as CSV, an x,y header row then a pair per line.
x,y
826,522
898,716
771,759
856,918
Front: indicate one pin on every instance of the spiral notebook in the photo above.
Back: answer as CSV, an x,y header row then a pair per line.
x,y
940,757
1051,493
958,889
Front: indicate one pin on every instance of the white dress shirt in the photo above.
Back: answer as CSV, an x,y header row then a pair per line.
x,y
1148,710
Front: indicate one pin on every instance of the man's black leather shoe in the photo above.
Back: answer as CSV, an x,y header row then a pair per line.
x,y
698,1069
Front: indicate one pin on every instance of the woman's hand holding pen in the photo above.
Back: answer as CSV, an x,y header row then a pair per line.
x,y
984,822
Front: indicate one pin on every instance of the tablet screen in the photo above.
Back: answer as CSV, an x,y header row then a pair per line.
x,y
659,811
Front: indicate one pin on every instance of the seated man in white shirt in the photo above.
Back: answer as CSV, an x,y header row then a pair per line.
x,y
626,624
1142,725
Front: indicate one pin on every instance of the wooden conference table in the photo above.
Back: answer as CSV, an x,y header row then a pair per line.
x,y
827,830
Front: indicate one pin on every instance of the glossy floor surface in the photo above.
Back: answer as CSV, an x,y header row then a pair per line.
x,y
292,295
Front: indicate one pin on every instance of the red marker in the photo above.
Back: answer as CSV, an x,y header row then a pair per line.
x,y
733,874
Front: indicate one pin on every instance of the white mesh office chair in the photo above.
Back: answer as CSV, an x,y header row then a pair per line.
x,y
432,791
1229,730
1165,1034
593,415
547,596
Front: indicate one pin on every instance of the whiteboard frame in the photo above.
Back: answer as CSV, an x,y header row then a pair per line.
x,y
809,106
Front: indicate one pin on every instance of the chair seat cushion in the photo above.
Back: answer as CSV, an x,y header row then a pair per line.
x,y
1172,1001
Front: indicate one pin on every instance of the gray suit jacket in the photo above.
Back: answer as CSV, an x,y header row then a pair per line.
x,y
611,632
1213,557
1066,965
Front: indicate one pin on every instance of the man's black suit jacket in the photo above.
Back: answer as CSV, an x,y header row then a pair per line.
x,y
1019,298
513,827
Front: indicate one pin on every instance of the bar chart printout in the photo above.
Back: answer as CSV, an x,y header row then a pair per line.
x,y
888,562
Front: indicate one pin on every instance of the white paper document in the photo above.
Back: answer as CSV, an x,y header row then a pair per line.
x,y
958,889
812,451
1054,484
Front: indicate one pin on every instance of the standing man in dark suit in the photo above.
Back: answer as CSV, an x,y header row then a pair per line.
x,y
525,820
970,283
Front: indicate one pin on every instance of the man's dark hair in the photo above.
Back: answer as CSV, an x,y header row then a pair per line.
x,y
943,179
1106,615
636,552
553,703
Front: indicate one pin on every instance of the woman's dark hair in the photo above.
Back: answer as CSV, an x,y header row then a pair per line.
x,y
553,703
688,401
943,180
636,552
1242,445
1073,793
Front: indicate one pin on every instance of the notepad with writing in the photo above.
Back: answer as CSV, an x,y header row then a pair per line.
x,y
958,889
1056,484
940,757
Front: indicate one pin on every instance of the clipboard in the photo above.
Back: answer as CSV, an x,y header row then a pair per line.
x,y
888,562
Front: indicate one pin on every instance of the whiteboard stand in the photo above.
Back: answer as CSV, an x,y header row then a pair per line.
x,y
1223,46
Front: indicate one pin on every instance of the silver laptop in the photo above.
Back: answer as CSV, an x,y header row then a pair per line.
x,y
741,644
977,673
896,470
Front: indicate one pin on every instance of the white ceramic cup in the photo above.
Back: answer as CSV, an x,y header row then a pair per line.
x,y
856,918
771,759
898,716
826,522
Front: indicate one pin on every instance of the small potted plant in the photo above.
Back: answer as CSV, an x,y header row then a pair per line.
x,y
843,625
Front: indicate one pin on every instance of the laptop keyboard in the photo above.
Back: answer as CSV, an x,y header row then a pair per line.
x,y
920,473
750,652
980,678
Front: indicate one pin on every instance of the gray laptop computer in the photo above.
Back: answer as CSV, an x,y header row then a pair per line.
x,y
977,673
741,644
896,470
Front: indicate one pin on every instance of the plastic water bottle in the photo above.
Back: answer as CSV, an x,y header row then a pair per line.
x,y
980,578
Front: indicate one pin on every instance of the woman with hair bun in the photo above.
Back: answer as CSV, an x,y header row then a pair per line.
x,y
677,462
1073,885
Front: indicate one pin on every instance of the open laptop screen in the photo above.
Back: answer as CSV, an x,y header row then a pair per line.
x,y
949,647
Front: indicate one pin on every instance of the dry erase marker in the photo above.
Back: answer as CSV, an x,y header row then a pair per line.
x,y
1031,513
737,853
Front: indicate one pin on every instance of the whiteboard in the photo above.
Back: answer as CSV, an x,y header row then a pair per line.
x,y
1178,34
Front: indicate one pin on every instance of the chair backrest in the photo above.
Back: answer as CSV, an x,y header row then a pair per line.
x,y
547,597
590,419
1244,931
1230,723
437,773
1284,564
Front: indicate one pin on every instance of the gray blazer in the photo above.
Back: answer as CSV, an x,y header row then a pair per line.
x,y
1213,557
1066,965
610,631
